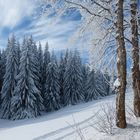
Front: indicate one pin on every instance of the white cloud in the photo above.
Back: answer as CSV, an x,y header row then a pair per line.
x,y
13,11
56,34
43,29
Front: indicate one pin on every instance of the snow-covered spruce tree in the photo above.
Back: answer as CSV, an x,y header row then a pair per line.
x,y
97,85
27,100
62,69
73,90
106,82
36,62
52,86
9,82
85,71
46,61
40,70
61,77
101,83
92,92
40,61
36,67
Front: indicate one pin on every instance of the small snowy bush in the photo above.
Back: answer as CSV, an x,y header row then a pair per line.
x,y
105,119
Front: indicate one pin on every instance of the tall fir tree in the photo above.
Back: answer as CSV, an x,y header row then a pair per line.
x,y
40,59
40,70
92,92
100,83
37,67
46,61
36,62
97,85
106,82
27,100
61,77
85,71
73,88
9,78
52,86
62,69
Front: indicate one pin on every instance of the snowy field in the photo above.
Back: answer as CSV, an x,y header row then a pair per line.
x,y
70,123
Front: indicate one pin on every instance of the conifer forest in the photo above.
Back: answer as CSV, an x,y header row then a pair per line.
x,y
70,70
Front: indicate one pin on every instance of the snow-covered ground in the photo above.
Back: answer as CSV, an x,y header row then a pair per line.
x,y
70,123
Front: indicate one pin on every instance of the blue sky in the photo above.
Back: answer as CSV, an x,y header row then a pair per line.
x,y
22,18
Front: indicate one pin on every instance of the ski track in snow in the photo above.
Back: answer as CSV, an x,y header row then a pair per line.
x,y
60,125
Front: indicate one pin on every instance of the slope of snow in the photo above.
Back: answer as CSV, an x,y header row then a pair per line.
x,y
60,125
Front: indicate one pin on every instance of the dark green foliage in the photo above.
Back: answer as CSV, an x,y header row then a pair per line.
x,y
52,87
73,88
26,101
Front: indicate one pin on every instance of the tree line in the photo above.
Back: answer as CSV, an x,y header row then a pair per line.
x,y
34,80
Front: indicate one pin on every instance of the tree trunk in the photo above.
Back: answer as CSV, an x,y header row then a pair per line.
x,y
135,58
121,67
